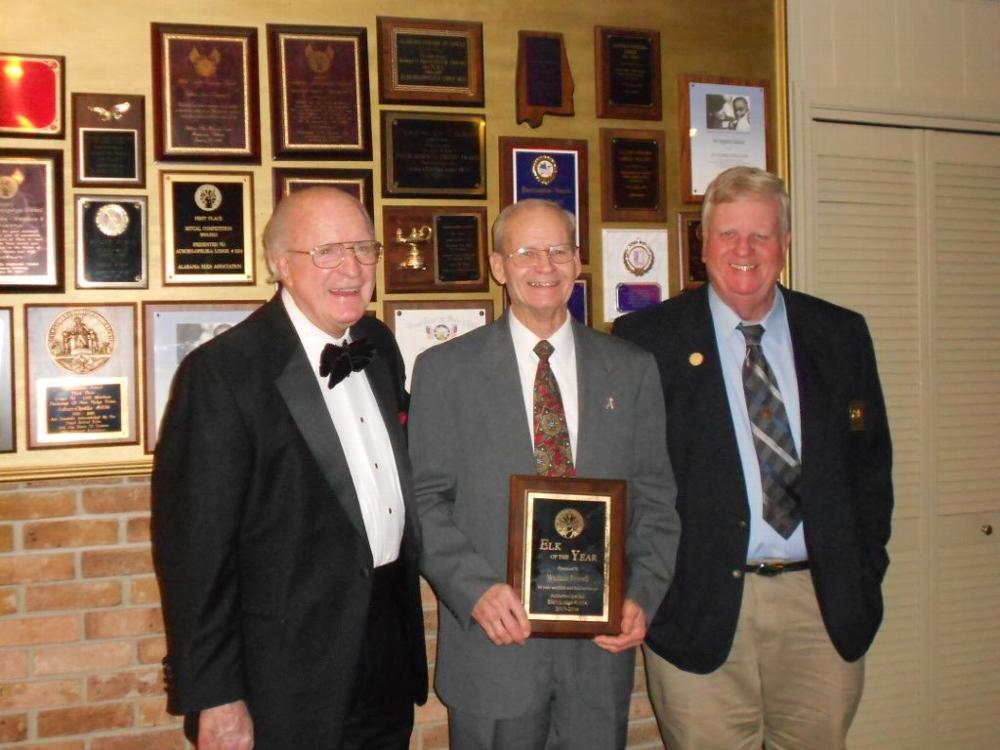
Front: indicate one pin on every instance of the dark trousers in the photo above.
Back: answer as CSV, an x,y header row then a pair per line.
x,y
381,716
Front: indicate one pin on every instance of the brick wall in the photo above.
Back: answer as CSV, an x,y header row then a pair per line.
x,y
81,635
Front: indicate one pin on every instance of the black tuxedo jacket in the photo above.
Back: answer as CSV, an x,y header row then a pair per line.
x,y
264,565
846,481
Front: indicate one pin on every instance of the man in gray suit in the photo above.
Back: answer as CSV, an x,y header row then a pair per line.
x,y
472,425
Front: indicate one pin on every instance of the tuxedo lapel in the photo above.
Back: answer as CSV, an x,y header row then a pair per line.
x,y
380,380
300,390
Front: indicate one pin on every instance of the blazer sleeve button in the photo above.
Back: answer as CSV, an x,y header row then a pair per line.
x,y
737,573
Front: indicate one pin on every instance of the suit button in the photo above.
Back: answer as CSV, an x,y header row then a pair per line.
x,y
743,524
366,572
737,573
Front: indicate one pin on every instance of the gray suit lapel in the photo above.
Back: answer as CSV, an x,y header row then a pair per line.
x,y
298,386
501,384
594,389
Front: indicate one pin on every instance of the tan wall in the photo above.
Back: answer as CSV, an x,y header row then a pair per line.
x,y
80,629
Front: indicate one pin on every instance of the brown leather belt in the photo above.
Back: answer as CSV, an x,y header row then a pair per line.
x,y
776,568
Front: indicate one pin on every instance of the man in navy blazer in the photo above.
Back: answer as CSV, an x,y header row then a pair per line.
x,y
284,531
761,636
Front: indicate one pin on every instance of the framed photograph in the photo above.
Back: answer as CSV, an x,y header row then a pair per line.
x,y
420,325
207,231
435,249
726,125
693,272
111,250
544,81
320,107
171,331
109,140
580,304
426,155
635,270
633,185
81,375
628,73
357,182
8,440
31,214
32,95
551,169
425,61
205,94
566,553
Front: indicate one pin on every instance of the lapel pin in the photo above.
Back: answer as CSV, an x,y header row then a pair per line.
x,y
610,406
696,359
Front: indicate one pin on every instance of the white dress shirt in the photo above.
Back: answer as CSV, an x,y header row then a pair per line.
x,y
765,542
563,364
364,438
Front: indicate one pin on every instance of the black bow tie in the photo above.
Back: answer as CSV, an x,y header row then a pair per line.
x,y
340,361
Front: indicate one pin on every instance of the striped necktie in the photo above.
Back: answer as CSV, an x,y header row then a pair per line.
x,y
780,467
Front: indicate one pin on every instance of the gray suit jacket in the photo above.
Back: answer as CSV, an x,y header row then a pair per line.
x,y
468,435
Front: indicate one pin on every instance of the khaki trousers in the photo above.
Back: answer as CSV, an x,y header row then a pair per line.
x,y
783,685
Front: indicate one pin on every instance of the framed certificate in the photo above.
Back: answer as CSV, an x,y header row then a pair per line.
x,y
635,269
544,81
319,92
628,73
109,140
689,241
633,187
566,553
551,169
426,155
435,248
8,442
32,95
111,242
172,331
357,182
418,326
31,211
205,97
81,375
207,230
725,122
425,61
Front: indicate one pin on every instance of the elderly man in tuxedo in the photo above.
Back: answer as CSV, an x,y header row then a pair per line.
x,y
777,431
284,531
535,392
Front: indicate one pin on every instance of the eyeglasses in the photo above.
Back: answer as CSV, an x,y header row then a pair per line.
x,y
332,254
527,257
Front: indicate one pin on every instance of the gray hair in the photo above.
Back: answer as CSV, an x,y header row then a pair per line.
x,y
746,182
500,225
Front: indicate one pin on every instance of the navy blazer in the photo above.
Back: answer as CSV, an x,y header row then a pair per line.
x,y
260,549
846,483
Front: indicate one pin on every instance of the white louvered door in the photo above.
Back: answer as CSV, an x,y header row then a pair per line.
x,y
964,228
904,226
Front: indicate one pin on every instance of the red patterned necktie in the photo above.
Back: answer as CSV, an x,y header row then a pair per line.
x,y
553,454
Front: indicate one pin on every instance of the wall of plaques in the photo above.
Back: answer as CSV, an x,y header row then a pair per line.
x,y
141,154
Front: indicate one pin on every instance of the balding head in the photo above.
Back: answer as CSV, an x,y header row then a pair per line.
x,y
296,213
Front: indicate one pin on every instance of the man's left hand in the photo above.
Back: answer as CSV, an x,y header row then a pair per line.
x,y
633,630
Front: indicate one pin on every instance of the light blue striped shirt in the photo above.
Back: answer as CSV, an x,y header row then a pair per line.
x,y
765,542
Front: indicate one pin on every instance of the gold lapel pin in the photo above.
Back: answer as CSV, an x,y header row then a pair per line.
x,y
696,359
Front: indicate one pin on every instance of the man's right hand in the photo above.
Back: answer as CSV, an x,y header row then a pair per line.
x,y
502,616
225,727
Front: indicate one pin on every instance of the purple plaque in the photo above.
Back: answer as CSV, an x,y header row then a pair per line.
x,y
630,297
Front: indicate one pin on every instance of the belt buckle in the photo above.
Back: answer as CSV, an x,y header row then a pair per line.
x,y
770,569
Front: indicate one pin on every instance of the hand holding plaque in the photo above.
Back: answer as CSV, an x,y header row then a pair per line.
x,y
566,553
